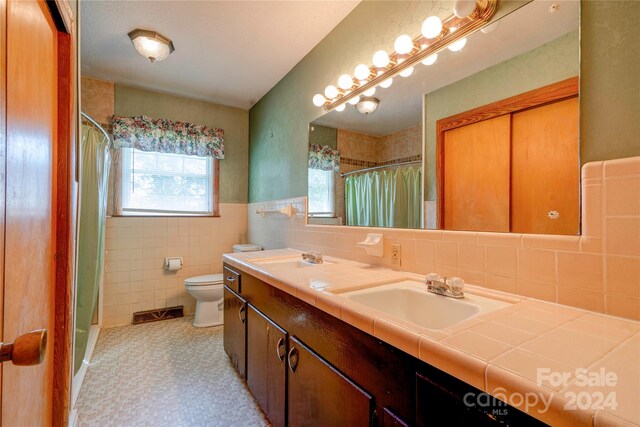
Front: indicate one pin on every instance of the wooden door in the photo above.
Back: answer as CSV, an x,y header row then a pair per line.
x,y
29,233
320,395
235,330
546,169
266,366
476,176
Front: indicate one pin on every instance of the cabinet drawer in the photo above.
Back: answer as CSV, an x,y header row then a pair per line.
x,y
232,279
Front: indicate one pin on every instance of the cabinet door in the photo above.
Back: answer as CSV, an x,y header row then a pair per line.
x,y
546,169
266,366
439,404
476,176
320,395
235,332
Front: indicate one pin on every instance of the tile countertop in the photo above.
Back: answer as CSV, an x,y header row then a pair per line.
x,y
519,353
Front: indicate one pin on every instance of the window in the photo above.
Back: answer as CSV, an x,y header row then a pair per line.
x,y
167,184
321,191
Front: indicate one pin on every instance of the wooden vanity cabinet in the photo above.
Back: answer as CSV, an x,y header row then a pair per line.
x,y
266,365
235,330
333,374
320,395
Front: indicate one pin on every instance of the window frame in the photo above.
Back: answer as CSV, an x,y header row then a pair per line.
x,y
119,211
332,197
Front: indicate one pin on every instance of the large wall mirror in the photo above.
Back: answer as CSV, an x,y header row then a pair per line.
x,y
484,139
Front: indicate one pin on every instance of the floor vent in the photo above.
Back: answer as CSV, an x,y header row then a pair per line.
x,y
157,314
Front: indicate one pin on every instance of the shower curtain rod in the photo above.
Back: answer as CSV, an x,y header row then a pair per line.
x,y
96,124
342,175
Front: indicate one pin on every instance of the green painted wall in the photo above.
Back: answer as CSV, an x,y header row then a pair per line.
x,y
278,123
323,135
610,87
610,80
550,63
130,101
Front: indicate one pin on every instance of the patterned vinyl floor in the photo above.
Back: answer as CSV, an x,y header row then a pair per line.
x,y
165,373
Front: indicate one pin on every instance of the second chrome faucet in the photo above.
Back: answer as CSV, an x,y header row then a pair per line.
x,y
446,287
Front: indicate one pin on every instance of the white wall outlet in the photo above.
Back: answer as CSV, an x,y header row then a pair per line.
x,y
395,254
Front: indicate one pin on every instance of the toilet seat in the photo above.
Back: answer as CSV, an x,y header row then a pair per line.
x,y
205,280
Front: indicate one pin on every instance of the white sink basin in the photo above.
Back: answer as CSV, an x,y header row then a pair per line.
x,y
409,300
288,263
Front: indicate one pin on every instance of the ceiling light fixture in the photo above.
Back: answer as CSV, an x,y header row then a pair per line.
x,y
436,36
367,104
150,44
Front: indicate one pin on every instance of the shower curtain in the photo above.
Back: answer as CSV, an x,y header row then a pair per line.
x,y
94,180
384,198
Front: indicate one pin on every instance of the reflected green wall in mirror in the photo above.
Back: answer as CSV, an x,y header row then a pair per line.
x,y
323,135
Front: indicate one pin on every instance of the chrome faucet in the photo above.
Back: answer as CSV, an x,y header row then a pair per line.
x,y
312,257
446,287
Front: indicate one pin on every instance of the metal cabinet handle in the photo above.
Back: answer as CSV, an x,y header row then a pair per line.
x,y
230,279
240,312
293,359
26,350
281,344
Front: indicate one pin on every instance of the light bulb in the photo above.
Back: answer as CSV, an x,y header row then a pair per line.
x,y
431,27
345,81
354,100
457,45
403,44
431,59
380,59
370,92
406,72
385,84
318,100
464,8
361,72
331,92
340,107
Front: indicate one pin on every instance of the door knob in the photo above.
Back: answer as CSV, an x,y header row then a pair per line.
x,y
26,350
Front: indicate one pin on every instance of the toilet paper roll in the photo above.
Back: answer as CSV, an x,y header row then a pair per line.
x,y
174,264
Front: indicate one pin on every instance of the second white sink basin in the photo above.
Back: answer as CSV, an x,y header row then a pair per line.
x,y
410,301
288,263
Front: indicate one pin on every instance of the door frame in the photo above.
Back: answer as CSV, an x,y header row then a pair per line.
x,y
66,206
554,92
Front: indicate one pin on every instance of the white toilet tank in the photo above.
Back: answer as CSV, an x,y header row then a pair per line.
x,y
248,247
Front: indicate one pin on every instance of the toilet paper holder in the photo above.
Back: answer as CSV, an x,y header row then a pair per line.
x,y
173,263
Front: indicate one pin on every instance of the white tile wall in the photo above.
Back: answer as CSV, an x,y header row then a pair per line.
x,y
134,278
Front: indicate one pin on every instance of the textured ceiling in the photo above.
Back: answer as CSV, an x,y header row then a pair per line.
x,y
227,52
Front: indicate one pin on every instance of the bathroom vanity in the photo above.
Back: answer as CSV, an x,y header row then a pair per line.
x,y
307,367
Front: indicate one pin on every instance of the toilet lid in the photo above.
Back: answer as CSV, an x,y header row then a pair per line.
x,y
207,279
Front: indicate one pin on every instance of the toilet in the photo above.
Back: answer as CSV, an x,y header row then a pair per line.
x,y
208,292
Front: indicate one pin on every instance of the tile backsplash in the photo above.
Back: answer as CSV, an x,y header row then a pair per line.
x,y
598,271
134,277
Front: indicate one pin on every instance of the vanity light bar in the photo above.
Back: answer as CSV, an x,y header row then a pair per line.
x,y
453,29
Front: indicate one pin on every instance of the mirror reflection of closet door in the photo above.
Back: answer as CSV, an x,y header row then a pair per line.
x,y
545,169
476,176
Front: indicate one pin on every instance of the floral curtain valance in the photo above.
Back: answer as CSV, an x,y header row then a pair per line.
x,y
324,157
167,136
